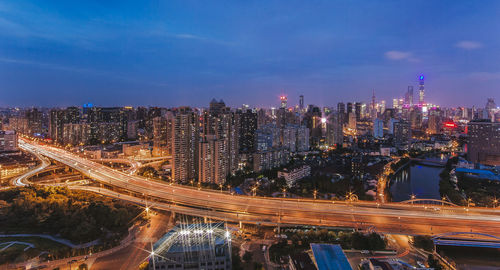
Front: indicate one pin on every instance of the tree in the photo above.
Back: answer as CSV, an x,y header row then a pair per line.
x,y
148,171
247,257
424,242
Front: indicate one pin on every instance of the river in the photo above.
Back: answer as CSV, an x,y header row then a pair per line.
x,y
417,179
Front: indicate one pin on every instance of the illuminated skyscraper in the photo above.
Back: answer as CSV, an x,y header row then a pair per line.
x,y
421,90
409,96
185,145
283,101
301,102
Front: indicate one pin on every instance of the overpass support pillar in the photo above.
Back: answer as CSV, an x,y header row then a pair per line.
x,y
205,219
241,225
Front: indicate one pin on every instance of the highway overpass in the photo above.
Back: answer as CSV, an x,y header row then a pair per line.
x,y
387,217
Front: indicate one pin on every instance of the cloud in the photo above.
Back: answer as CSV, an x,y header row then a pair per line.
x,y
400,55
485,76
468,45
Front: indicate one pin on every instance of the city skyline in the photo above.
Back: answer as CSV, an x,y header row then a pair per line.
x,y
173,54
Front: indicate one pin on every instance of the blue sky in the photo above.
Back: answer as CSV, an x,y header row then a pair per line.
x,y
172,53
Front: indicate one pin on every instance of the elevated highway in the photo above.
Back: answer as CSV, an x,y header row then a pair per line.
x,y
387,217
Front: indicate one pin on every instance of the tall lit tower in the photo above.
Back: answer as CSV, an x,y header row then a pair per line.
x,y
301,102
283,99
373,109
421,90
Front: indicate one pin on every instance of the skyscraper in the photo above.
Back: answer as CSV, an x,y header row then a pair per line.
x,y
301,102
185,145
409,96
247,121
378,128
421,90
283,100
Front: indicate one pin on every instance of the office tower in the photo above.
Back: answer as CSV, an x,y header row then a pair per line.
x,y
409,96
247,121
341,108
358,110
302,139
382,107
352,121
416,118
373,107
421,90
301,102
185,145
490,107
434,124
334,131
283,100
392,122
484,142
8,140
402,132
378,128
349,108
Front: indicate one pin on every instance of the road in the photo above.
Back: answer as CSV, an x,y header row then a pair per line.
x,y
386,217
133,255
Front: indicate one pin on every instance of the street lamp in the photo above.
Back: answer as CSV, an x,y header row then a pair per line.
x,y
315,192
254,190
495,202
220,186
284,192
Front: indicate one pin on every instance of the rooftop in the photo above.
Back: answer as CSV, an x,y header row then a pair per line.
x,y
330,257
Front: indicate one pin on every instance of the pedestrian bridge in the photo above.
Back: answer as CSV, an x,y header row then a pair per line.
x,y
429,202
467,239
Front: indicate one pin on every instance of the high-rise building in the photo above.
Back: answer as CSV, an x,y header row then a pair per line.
x,y
409,96
402,132
283,100
267,137
8,140
358,110
301,102
213,160
489,108
58,118
378,128
341,108
421,90
247,125
217,107
34,122
334,131
416,118
160,136
185,145
484,142
349,108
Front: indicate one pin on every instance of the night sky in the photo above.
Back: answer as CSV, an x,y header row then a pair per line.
x,y
170,53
